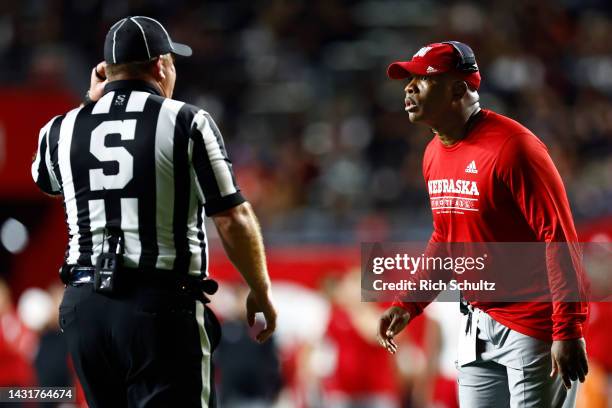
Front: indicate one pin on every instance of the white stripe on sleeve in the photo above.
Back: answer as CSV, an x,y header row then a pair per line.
x,y
52,178
220,167
65,142
42,138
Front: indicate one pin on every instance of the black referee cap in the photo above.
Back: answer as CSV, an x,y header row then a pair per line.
x,y
139,38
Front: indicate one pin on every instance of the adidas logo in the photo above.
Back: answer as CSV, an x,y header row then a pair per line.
x,y
471,168
431,69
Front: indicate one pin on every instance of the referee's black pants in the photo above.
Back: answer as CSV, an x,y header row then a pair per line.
x,y
148,347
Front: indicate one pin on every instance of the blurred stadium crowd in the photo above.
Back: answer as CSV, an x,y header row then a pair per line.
x,y
323,149
318,134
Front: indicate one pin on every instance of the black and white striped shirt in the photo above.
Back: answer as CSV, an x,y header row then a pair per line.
x,y
149,165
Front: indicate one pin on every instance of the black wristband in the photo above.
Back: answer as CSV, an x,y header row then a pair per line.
x,y
87,100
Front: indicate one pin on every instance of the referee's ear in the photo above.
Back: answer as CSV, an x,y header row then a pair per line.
x,y
159,69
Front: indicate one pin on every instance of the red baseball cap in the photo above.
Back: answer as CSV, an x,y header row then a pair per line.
x,y
438,58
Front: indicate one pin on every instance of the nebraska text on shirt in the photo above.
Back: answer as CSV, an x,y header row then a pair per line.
x,y
445,186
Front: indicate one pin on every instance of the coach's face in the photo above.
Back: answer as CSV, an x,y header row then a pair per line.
x,y
428,98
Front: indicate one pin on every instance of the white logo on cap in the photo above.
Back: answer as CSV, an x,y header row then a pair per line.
x,y
431,69
421,53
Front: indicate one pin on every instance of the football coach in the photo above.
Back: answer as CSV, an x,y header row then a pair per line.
x,y
512,354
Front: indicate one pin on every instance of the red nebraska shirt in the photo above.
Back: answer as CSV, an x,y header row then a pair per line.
x,y
499,184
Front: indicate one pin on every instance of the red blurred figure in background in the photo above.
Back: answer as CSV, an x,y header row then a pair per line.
x,y
17,345
362,374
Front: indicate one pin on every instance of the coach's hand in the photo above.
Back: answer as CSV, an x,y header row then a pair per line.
x,y
392,321
97,81
569,360
263,304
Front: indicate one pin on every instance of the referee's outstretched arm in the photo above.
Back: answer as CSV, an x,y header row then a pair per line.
x,y
241,236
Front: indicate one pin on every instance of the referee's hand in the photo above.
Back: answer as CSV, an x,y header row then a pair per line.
x,y
392,321
261,303
97,81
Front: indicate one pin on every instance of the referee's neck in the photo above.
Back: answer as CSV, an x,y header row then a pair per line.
x,y
144,78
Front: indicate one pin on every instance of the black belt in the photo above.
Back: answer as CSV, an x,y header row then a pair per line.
x,y
75,275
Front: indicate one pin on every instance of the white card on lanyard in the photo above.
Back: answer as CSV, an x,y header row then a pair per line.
x,y
466,349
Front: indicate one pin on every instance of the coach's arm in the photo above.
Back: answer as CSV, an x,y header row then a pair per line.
x,y
529,173
241,236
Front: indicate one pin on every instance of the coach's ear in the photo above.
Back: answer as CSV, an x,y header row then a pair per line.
x,y
458,89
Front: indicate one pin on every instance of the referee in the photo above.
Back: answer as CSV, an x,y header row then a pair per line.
x,y
138,171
